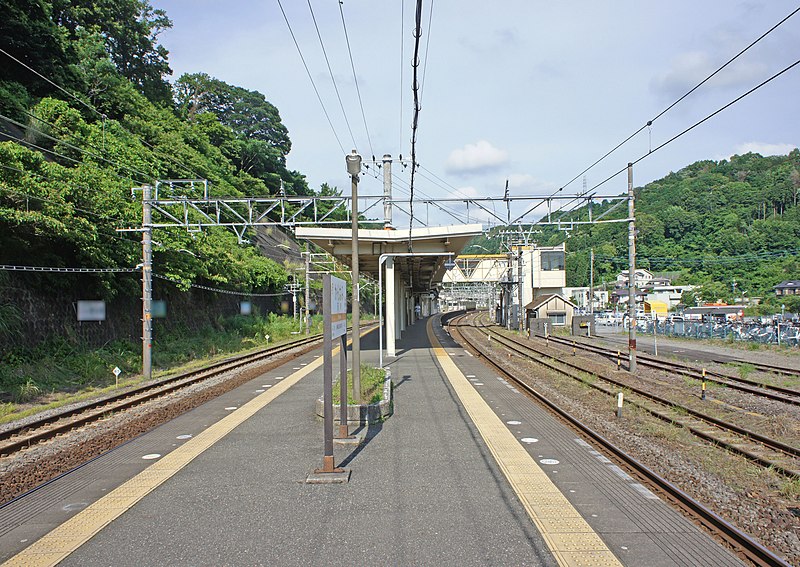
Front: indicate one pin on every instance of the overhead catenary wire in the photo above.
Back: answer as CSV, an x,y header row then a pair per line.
x,y
699,122
650,122
333,79
427,50
355,80
415,120
402,69
310,78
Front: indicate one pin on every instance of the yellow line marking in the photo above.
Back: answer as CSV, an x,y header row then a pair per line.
x,y
568,536
69,536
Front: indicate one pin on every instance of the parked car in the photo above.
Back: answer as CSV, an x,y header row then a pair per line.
x,y
604,318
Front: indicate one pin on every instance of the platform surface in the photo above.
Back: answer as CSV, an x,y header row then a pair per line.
x,y
429,486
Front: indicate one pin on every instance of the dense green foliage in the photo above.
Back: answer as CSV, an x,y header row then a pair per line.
x,y
730,227
72,155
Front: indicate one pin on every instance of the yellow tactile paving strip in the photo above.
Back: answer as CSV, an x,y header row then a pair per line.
x,y
571,540
69,536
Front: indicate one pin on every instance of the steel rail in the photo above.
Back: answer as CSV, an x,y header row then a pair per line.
x,y
738,540
772,444
47,428
785,370
777,393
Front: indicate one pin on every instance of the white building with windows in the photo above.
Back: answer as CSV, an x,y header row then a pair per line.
x,y
534,271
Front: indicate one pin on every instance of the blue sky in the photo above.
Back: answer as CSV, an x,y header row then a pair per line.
x,y
521,90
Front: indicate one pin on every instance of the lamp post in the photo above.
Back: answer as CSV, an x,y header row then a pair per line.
x,y
354,168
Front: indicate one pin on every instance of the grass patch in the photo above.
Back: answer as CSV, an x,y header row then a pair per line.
x,y
7,409
662,430
371,386
64,371
791,489
745,370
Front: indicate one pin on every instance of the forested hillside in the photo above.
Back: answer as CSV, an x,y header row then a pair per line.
x,y
87,114
731,226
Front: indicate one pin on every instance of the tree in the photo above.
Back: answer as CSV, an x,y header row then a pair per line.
x,y
130,29
28,33
247,113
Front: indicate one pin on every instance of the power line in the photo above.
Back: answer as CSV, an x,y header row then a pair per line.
x,y
62,89
217,290
689,92
460,217
9,268
734,101
55,270
330,71
310,78
355,80
99,228
456,189
427,49
699,122
58,140
41,149
402,68
97,112
415,120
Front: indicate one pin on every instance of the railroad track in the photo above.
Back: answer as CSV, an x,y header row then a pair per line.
x,y
761,366
761,449
744,545
762,389
17,438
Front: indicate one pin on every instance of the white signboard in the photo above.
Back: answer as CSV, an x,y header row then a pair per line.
x,y
91,310
338,307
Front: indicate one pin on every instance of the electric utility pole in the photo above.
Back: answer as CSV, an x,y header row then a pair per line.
x,y
591,282
308,291
387,191
354,168
631,275
520,311
147,283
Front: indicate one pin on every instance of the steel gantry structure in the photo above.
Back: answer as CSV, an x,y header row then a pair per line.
x,y
189,204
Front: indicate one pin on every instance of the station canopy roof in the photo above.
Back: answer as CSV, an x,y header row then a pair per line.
x,y
421,273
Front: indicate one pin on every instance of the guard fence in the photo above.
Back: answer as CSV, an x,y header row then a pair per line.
x,y
786,333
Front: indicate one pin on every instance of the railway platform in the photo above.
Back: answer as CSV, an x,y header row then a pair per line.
x,y
466,472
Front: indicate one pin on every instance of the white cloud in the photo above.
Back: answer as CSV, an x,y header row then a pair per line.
x,y
480,157
527,183
688,69
764,149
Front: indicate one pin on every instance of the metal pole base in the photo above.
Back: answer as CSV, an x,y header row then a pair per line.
x,y
327,465
333,476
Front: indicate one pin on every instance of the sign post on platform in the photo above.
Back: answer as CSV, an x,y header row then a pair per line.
x,y
334,292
